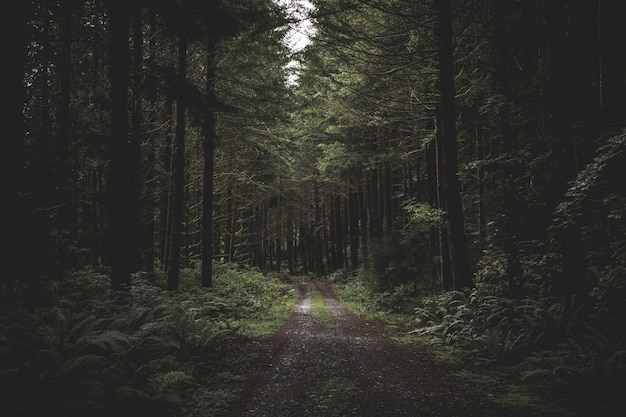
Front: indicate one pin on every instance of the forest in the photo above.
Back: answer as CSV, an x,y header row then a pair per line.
x,y
170,168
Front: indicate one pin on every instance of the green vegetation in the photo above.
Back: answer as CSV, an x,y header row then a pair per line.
x,y
516,346
319,311
464,160
150,352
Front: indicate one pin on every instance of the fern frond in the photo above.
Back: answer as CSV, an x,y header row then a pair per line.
x,y
84,326
172,379
108,341
81,364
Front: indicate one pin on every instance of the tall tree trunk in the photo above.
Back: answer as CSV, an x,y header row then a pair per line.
x,y
372,204
445,264
340,231
388,195
454,214
165,198
55,253
206,277
13,32
64,190
121,220
433,200
354,228
505,61
613,65
303,244
279,229
480,176
136,244
229,237
332,237
560,95
178,203
151,203
363,221
317,234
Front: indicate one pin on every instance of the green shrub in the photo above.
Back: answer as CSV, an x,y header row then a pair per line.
x,y
89,352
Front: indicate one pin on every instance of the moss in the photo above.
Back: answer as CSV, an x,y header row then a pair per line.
x,y
319,311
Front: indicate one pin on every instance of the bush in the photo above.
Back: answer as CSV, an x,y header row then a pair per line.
x,y
88,352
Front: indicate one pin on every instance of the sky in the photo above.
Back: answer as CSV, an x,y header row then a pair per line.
x,y
299,33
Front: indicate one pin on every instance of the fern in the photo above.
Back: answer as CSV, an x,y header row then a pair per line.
x,y
172,379
81,364
110,341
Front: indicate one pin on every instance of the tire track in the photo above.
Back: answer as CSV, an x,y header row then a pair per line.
x,y
353,367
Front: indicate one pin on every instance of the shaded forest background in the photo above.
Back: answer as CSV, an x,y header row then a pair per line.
x,y
473,150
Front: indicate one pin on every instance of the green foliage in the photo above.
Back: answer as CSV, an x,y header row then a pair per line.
x,y
338,162
491,324
144,353
403,255
319,311
590,186
359,293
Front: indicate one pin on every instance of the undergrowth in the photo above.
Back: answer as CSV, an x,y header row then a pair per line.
x,y
87,352
576,362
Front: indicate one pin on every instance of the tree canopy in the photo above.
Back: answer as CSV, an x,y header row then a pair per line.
x,y
470,145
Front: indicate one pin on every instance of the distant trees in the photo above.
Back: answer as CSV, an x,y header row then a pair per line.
x,y
422,139
119,187
385,87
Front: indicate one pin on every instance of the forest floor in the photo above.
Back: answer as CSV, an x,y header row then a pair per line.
x,y
326,361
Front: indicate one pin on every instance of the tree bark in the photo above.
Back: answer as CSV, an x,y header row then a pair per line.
x,y
13,31
121,220
363,220
173,275
206,276
613,65
354,229
504,62
433,200
64,192
136,244
458,252
445,264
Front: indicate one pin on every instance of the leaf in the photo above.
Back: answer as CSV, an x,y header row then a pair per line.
x,y
163,382
81,364
110,340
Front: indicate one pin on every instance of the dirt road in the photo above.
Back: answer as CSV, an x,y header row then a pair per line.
x,y
348,366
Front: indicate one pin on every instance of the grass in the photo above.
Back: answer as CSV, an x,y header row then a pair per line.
x,y
319,311
498,379
271,319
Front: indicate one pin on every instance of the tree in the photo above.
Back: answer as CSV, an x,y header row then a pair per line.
x,y
64,197
13,26
209,167
121,217
461,274
178,201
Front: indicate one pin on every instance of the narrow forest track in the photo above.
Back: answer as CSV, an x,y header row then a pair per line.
x,y
349,366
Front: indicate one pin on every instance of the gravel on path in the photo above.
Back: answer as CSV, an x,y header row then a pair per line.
x,y
350,366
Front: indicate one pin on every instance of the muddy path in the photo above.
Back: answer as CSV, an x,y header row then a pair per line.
x,y
347,366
